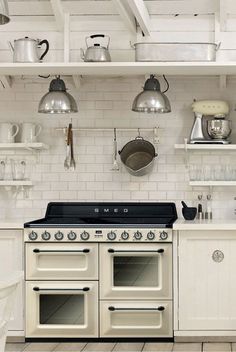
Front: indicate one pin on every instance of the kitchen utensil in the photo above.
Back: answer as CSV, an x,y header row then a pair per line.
x,y
27,49
189,213
8,131
29,132
2,169
219,128
208,213
175,51
96,52
115,166
72,160
18,169
199,212
138,156
68,149
207,108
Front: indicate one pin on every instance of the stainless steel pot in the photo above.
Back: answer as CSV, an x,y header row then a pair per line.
x,y
27,49
219,128
96,53
138,156
175,51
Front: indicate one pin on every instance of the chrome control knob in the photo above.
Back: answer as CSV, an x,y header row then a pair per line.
x,y
138,235
84,236
151,236
111,236
46,236
125,235
71,236
163,235
33,236
59,236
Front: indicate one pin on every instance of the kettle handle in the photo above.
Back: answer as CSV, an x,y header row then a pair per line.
x,y
46,50
98,36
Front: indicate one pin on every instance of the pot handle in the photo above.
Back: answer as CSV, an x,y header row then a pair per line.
x,y
131,45
46,50
218,46
139,138
98,36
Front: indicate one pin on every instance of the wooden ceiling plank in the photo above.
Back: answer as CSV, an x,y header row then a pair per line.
x,y
141,14
126,15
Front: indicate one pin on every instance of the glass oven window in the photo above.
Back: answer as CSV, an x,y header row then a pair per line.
x,y
61,309
140,271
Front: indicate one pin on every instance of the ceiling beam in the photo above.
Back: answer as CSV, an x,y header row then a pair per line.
x,y
58,13
141,14
126,14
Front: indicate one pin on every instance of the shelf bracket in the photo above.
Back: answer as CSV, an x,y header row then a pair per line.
x,y
58,13
6,82
223,82
139,9
126,14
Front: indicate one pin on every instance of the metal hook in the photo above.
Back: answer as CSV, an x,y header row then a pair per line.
x,y
155,134
139,132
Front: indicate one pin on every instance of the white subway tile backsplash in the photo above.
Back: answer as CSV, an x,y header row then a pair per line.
x,y
106,103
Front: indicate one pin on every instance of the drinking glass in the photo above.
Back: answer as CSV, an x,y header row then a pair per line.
x,y
2,169
18,169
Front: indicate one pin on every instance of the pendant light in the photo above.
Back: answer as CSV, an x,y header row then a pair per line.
x,y
57,100
151,99
4,12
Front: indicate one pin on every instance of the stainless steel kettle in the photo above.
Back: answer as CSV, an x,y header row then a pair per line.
x,y
96,52
27,49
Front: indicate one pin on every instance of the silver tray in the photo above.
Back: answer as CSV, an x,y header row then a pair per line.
x,y
175,51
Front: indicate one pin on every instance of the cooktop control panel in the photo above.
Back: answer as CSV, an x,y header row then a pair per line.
x,y
98,235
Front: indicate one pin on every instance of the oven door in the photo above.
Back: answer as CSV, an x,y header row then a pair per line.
x,y
61,309
136,271
136,319
61,261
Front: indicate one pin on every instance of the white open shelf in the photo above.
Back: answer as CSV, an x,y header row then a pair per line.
x,y
119,68
212,183
16,183
206,146
25,146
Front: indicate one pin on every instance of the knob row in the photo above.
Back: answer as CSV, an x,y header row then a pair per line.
x,y
59,236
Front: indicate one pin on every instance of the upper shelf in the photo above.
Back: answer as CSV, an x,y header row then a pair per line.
x,y
119,68
26,146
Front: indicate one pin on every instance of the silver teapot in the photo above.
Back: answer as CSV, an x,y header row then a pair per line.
x,y
96,52
27,49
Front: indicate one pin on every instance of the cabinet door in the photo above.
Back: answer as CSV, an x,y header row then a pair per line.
x,y
11,259
207,280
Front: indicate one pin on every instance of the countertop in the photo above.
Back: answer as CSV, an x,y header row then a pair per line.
x,y
11,224
226,224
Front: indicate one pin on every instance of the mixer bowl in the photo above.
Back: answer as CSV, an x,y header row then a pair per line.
x,y
219,128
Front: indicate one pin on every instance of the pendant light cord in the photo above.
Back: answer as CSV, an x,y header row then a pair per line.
x,y
167,84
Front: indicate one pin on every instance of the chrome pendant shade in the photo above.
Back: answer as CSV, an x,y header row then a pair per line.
x,y
151,99
57,100
4,12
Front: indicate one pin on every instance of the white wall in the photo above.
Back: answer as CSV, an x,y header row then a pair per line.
x,y
106,103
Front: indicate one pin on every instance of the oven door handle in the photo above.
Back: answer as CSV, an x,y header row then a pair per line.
x,y
113,309
37,289
111,250
37,250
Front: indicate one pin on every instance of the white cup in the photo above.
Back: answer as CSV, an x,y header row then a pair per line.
x,y
30,132
8,131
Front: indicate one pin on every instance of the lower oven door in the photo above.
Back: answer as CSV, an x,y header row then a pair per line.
x,y
61,261
136,271
136,319
61,309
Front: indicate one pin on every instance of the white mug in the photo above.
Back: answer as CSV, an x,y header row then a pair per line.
x,y
8,131
30,132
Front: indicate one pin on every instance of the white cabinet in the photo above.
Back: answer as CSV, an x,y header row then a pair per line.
x,y
207,280
11,259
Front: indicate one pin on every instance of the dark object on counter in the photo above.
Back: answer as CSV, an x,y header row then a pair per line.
x,y
189,213
200,212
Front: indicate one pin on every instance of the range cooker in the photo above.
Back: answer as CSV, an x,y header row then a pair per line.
x,y
100,270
